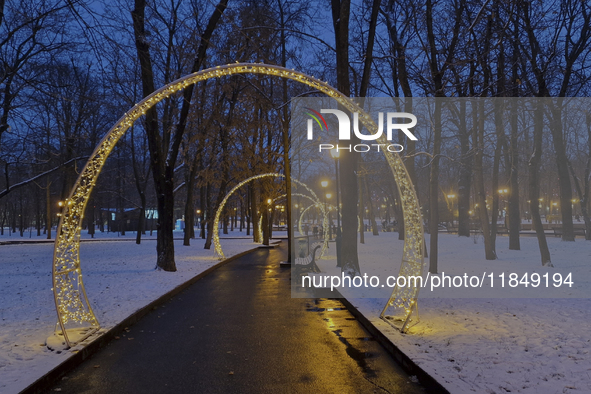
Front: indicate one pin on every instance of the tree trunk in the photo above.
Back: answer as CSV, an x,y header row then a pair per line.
x,y
37,212
141,220
489,247
584,191
165,244
534,184
348,161
434,189
568,233
48,208
203,206
164,152
211,214
285,135
513,198
265,224
90,217
160,167
361,205
254,214
465,175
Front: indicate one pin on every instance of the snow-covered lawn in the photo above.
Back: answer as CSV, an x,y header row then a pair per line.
x,y
495,345
119,279
482,345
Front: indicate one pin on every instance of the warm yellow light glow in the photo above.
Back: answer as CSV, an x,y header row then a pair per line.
x,y
314,203
335,153
70,297
60,204
328,195
555,203
451,196
324,183
216,222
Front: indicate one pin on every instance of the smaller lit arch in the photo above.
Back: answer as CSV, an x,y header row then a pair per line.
x,y
216,222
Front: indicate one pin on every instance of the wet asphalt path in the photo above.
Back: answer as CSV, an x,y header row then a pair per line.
x,y
238,330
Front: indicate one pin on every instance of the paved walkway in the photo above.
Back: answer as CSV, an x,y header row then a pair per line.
x,y
239,331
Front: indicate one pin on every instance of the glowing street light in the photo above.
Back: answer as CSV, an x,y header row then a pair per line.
x,y
450,205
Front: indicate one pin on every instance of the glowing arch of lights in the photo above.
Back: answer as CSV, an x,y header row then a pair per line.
x,y
317,205
72,305
298,195
218,213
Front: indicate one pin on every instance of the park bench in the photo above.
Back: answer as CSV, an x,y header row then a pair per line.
x,y
308,263
577,231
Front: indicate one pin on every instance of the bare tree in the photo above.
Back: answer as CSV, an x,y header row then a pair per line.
x,y
571,40
164,148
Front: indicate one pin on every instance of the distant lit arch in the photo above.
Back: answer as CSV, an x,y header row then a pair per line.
x,y
218,213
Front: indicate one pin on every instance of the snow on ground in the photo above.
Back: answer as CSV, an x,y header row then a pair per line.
x,y
482,345
494,345
119,278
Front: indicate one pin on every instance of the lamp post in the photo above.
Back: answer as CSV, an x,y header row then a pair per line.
x,y
335,155
328,197
324,184
451,206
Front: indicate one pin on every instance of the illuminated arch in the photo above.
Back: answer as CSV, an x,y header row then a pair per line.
x,y
317,204
218,213
298,195
305,196
71,301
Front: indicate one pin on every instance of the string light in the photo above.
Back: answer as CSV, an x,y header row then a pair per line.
x,y
216,222
71,300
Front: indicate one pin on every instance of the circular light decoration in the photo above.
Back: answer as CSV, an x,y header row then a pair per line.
x,y
318,204
260,229
71,302
218,213
297,195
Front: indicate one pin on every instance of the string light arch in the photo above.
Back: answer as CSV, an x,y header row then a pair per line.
x,y
216,222
71,301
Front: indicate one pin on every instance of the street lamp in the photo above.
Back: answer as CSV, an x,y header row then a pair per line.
x,y
451,208
324,184
335,155
328,197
